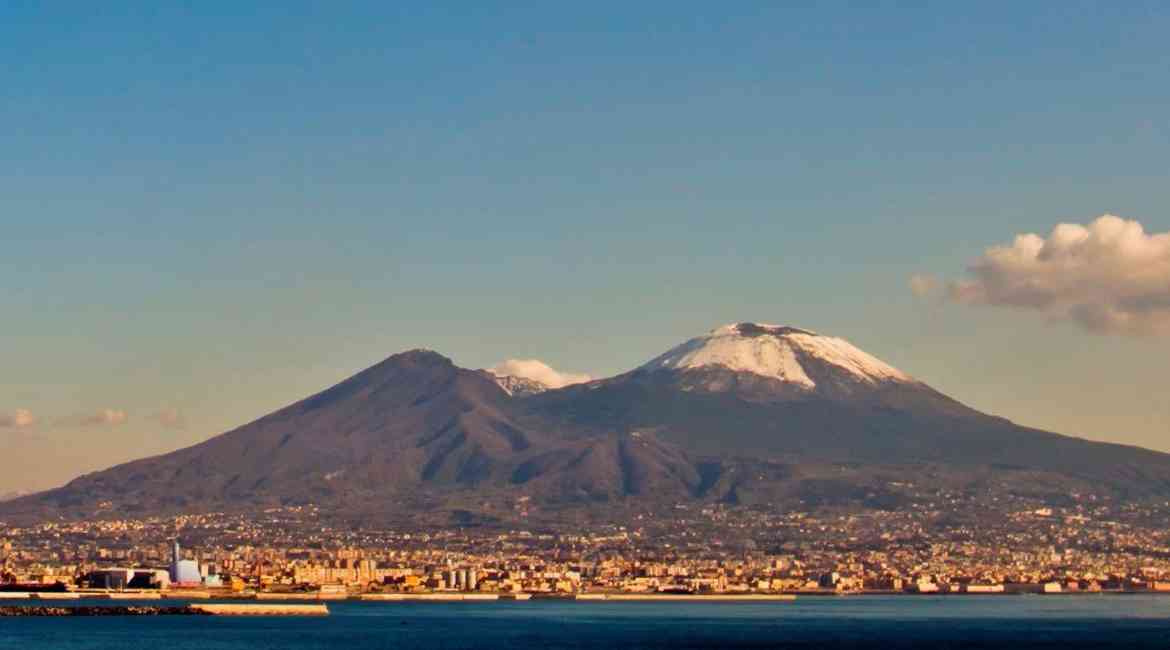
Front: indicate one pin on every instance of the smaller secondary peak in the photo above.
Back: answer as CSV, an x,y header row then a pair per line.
x,y
517,386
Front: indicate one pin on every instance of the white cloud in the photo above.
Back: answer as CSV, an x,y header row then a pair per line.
x,y
1109,276
539,371
18,419
924,286
104,417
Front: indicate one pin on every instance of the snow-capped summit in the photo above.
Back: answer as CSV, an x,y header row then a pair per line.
x,y
791,355
523,377
518,386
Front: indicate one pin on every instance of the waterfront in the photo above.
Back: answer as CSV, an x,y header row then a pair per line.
x,y
859,621
292,552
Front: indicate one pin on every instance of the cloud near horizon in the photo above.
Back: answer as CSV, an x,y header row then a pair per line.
x,y
104,417
18,419
1109,276
924,286
538,370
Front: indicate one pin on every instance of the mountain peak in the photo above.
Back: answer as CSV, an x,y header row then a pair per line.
x,y
419,357
781,352
760,329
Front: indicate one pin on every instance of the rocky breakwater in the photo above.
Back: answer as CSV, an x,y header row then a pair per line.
x,y
105,610
198,609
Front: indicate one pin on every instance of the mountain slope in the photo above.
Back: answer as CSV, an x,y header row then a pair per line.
x,y
413,417
408,427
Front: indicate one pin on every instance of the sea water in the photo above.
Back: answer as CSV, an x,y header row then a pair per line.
x,y
1121,621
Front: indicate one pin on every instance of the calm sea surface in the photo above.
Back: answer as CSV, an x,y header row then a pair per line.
x,y
856,622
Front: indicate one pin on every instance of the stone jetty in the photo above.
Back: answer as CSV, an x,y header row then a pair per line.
x,y
201,609
101,610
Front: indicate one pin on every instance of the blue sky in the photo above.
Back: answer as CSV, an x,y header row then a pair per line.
x,y
214,209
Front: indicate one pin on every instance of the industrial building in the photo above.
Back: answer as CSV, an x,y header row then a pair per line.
x,y
119,578
184,573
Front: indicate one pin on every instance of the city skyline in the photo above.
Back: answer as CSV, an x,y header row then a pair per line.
x,y
211,213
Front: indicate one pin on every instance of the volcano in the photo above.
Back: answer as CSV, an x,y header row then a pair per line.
x,y
747,413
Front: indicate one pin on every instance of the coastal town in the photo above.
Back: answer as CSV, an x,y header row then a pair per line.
x,y
294,553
